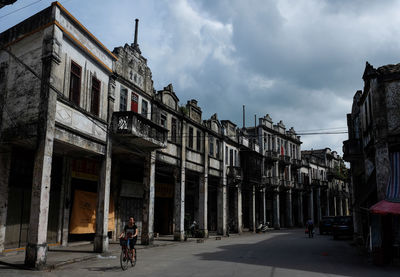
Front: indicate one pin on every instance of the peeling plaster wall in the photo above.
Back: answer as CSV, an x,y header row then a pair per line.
x,y
393,107
22,88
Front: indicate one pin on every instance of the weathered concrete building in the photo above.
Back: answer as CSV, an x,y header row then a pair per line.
x,y
326,181
372,150
54,130
101,145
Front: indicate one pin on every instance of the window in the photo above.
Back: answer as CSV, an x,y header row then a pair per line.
x,y
191,137
75,84
95,105
211,139
123,97
236,158
231,157
198,141
226,154
163,120
144,108
218,149
173,129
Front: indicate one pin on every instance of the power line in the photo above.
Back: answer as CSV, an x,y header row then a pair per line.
x,y
20,9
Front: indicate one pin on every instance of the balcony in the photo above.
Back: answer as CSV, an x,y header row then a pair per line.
x,y
315,182
272,155
272,181
284,159
234,174
286,184
352,150
296,163
135,131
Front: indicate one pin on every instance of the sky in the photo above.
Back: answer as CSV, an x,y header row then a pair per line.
x,y
298,61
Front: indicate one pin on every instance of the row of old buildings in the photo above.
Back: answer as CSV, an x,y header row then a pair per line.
x,y
373,152
86,142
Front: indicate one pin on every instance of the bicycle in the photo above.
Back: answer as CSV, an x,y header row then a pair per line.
x,y
126,254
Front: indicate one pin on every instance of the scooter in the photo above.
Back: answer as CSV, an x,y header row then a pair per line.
x,y
262,227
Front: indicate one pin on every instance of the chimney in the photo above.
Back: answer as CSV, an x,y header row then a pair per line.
x,y
135,44
136,31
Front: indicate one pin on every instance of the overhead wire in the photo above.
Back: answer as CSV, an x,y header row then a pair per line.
x,y
17,10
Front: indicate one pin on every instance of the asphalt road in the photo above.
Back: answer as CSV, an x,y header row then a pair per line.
x,y
273,254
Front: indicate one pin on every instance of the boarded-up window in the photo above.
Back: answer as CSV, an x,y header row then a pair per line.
x,y
191,137
198,140
95,106
75,83
173,130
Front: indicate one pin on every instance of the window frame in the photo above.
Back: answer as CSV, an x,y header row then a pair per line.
x,y
75,92
95,96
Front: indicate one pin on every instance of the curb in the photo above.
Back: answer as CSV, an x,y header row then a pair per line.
x,y
95,256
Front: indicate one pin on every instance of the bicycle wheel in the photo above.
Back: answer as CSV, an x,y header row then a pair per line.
x,y
124,260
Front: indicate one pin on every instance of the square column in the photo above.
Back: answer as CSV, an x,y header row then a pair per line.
x,y
203,191
311,205
36,249
222,207
300,209
179,178
264,207
100,244
66,184
148,198
319,212
340,205
5,166
277,224
335,206
289,220
238,210
252,210
327,212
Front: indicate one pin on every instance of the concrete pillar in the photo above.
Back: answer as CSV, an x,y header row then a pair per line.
x,y
100,244
179,177
327,211
319,212
66,184
335,206
148,199
264,207
5,166
300,209
203,191
311,205
36,249
203,195
222,207
347,212
252,210
340,206
277,224
289,219
238,211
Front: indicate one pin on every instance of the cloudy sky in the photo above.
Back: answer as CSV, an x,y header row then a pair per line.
x,y
299,61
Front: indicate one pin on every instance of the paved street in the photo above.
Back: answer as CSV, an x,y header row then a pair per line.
x,y
278,253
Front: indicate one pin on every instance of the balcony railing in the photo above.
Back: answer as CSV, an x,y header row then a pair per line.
x,y
272,155
315,182
137,130
285,159
296,163
234,173
272,181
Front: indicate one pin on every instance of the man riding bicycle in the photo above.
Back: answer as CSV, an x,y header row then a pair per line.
x,y
130,233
